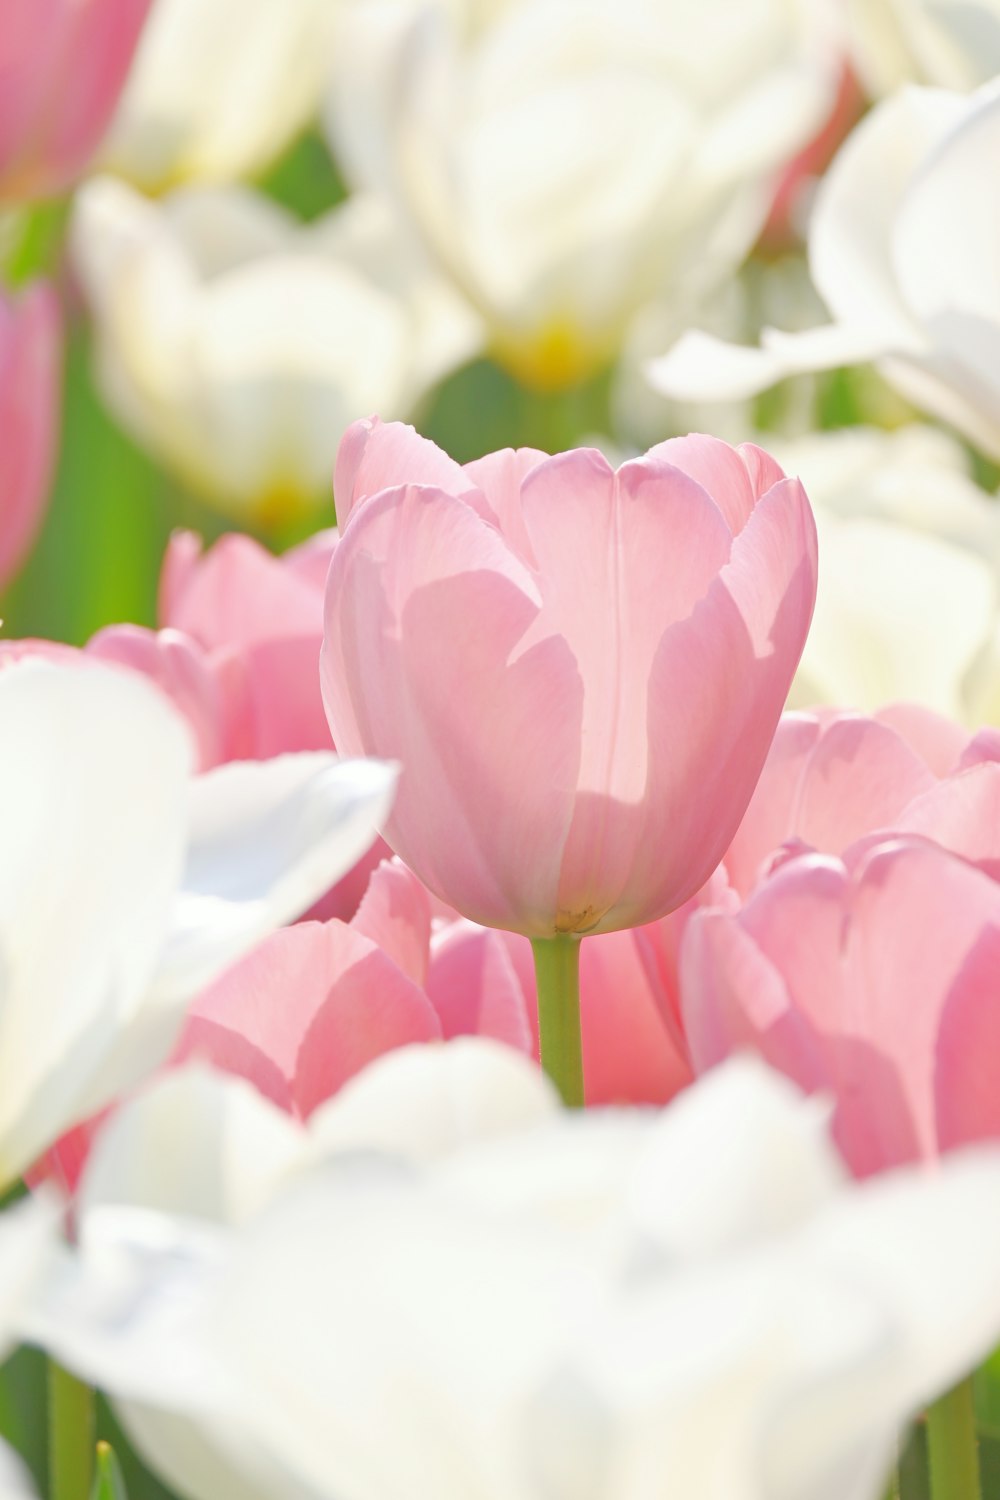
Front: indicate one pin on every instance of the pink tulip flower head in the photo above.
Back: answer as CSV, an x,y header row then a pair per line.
x,y
30,364
62,67
579,669
870,978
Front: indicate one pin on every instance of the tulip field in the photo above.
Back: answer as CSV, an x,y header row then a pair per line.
x,y
500,750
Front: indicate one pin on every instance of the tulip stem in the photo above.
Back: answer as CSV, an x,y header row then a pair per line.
x,y
952,1446
557,980
71,1435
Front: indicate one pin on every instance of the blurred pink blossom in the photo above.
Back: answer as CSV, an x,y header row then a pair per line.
x,y
62,67
30,377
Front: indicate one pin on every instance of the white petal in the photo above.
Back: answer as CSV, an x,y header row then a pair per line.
x,y
196,1143
850,237
424,1102
268,838
742,1157
946,235
701,367
93,775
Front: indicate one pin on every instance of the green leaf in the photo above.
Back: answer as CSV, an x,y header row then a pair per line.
x,y
108,1481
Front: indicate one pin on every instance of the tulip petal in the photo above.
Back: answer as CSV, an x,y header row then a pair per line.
x,y
93,770
428,600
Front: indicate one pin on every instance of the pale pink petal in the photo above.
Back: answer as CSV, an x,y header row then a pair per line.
x,y
281,697
647,543
305,1011
859,777
940,742
395,913
63,66
428,602
372,1009
962,814
716,691
499,476
718,468
771,816
30,377
984,747
629,1054
474,987
237,593
376,455
763,470
310,560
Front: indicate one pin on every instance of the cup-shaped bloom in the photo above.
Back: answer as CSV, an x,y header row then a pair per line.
x,y
63,64
184,118
237,344
129,884
567,164
30,365
903,250
500,1298
579,669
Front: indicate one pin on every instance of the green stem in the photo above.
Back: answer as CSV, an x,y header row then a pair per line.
x,y
953,1447
557,980
71,1435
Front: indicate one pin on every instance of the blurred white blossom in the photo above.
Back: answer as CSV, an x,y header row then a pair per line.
x,y
127,884
904,248
579,1307
218,88
909,578
238,344
567,162
953,43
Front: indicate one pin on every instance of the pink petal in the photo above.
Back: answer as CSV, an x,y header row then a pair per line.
x,y
962,814
474,987
937,740
395,913
716,691
427,602
499,477
237,594
376,455
30,379
647,543
629,1054
719,469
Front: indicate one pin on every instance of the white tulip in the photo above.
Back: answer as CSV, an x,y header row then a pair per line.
x,y
909,577
952,43
128,884
218,88
904,247
610,1304
238,344
569,160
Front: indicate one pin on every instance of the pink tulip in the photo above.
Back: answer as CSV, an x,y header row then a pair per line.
x,y
579,670
872,979
62,65
30,360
